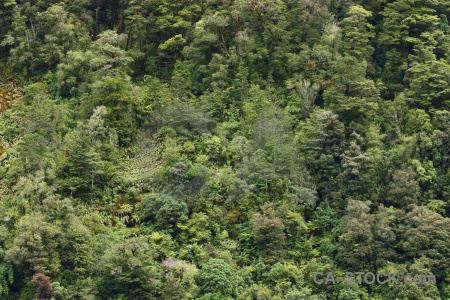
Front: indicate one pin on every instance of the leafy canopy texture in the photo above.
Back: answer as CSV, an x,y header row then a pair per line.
x,y
223,150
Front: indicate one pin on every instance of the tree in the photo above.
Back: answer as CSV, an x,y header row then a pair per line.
x,y
428,86
351,94
6,278
41,36
404,190
44,288
268,233
325,217
321,141
421,267
121,100
128,270
180,279
88,157
35,137
357,33
35,247
357,170
163,211
410,25
306,91
426,234
387,233
216,277
355,243
196,229
6,12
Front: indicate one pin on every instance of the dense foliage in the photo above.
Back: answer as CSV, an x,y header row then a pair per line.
x,y
211,149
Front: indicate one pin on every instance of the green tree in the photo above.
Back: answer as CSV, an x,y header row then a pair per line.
x,y
357,33
355,243
351,94
88,157
306,91
387,233
357,172
426,234
35,247
39,37
321,141
216,277
404,190
128,270
268,233
163,211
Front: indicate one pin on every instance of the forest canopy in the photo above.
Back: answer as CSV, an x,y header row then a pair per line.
x,y
214,150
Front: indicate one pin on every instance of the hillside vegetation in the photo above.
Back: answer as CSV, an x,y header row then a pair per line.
x,y
218,150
